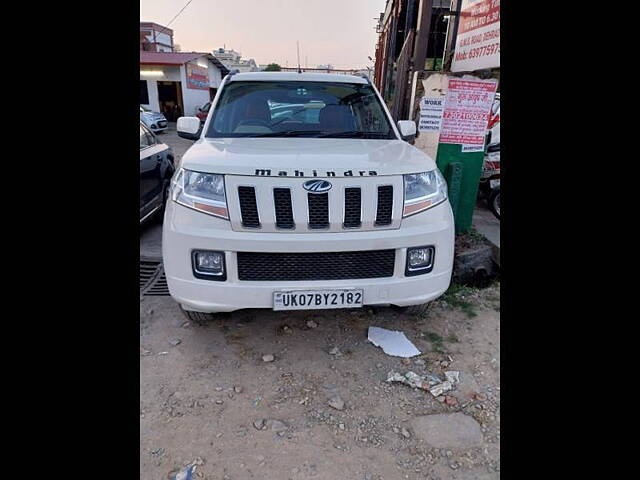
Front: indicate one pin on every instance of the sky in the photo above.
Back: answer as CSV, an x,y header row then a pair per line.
x,y
339,32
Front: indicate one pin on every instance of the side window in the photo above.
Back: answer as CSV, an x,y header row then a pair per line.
x,y
152,138
145,138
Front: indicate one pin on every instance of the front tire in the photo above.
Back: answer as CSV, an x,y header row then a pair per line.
x,y
199,318
494,202
415,310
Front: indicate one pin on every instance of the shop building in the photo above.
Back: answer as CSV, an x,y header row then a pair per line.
x,y
178,83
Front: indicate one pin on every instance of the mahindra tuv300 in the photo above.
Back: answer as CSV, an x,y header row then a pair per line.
x,y
301,192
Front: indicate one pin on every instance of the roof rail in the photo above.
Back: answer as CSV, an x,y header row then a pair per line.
x,y
365,76
228,76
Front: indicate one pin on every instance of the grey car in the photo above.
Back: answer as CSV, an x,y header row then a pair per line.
x,y
155,121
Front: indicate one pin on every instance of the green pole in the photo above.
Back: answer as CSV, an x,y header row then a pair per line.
x,y
462,171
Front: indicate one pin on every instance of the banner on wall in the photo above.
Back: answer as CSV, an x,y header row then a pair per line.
x,y
197,77
466,112
430,113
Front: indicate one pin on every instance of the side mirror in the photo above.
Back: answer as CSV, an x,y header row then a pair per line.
x,y
407,130
189,128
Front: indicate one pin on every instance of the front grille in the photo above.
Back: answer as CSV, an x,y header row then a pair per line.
x,y
284,212
248,207
258,266
352,213
282,205
385,205
318,210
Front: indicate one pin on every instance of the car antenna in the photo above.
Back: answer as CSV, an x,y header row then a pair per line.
x,y
298,48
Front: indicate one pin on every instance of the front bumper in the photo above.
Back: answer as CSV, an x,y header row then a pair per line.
x,y
156,126
185,230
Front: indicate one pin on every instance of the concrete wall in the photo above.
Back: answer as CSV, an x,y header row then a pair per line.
x,y
433,86
152,88
215,76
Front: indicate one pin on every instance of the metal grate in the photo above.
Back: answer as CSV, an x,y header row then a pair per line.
x,y
147,271
248,207
284,211
152,277
352,207
385,205
318,210
259,266
159,287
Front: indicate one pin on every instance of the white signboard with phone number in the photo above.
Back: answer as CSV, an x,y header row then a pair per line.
x,y
478,40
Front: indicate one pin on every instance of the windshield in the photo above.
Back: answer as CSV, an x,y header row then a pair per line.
x,y
299,109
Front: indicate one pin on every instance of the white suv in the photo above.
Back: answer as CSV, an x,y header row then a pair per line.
x,y
326,206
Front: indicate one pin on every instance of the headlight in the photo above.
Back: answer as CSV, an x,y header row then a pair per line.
x,y
201,191
423,191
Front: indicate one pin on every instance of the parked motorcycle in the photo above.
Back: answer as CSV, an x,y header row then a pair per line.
x,y
490,179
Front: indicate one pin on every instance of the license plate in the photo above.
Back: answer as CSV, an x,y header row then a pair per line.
x,y
317,299
494,183
162,124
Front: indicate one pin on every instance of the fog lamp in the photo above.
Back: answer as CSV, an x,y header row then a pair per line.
x,y
419,260
208,264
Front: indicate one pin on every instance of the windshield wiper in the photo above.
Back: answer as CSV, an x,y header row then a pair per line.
x,y
354,134
286,133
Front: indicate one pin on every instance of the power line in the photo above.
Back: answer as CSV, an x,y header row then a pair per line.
x,y
171,21
177,14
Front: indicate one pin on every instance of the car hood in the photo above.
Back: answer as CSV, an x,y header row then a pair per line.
x,y
152,114
310,157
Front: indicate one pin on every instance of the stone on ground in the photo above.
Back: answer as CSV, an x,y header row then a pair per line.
x,y
448,430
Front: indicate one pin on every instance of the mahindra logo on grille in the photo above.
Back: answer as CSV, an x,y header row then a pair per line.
x,y
317,186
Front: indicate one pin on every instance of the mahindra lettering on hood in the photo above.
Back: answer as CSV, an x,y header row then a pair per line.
x,y
301,192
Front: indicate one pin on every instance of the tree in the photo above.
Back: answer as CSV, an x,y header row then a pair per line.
x,y
273,67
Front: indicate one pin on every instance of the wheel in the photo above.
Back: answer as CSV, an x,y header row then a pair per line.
x,y
199,318
494,202
416,310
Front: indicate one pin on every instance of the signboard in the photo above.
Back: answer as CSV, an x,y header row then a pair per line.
x,y
431,114
197,77
478,41
466,112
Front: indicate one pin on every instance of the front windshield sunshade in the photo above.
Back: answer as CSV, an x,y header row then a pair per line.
x,y
299,109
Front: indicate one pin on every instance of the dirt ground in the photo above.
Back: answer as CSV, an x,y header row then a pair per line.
x,y
208,398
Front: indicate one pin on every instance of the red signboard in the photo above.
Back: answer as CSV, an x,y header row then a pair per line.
x,y
197,77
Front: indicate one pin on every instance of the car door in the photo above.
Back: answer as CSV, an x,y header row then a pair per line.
x,y
152,154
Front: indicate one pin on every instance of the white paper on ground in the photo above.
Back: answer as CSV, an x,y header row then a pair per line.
x,y
392,342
